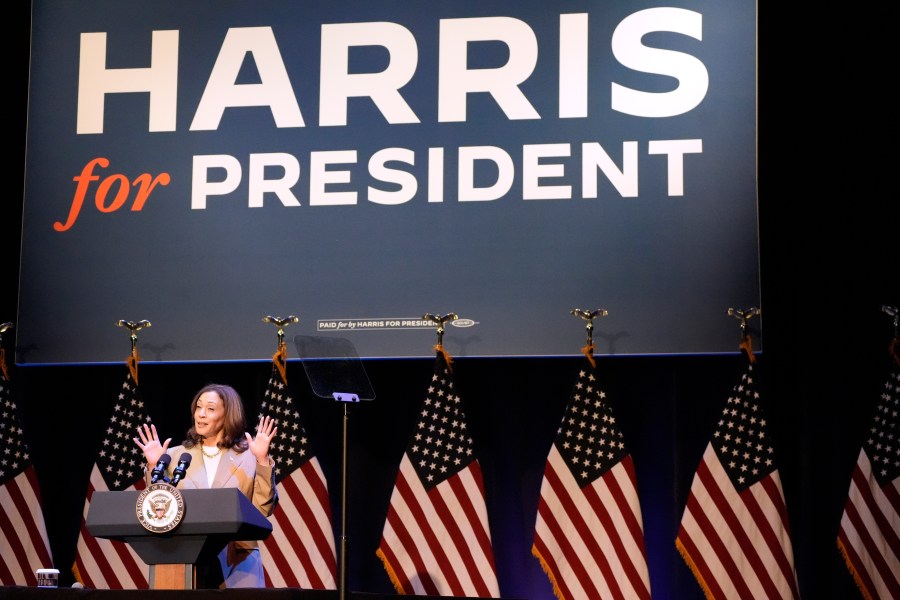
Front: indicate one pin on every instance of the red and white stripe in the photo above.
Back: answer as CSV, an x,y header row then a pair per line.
x,y
591,541
737,543
300,551
438,542
106,564
869,535
24,545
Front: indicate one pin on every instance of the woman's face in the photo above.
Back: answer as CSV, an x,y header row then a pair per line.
x,y
209,416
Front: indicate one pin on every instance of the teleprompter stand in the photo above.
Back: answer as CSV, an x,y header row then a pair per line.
x,y
335,371
212,519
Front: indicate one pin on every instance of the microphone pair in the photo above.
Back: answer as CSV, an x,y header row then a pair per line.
x,y
159,471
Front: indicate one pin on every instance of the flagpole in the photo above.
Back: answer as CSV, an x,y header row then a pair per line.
x,y
346,399
591,562
302,549
439,474
732,469
114,564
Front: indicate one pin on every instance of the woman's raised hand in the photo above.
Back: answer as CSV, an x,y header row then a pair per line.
x,y
259,444
148,441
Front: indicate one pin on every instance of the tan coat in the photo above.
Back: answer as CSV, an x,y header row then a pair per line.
x,y
240,470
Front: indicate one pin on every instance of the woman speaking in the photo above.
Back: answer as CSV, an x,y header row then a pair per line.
x,y
223,454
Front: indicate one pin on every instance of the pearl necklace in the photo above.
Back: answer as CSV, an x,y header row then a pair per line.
x,y
213,455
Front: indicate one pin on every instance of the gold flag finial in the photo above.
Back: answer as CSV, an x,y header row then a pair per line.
x,y
281,324
439,320
280,356
133,327
589,316
744,316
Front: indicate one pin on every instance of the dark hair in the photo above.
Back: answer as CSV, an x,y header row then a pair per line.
x,y
235,424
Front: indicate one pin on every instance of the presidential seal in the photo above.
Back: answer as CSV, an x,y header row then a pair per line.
x,y
160,507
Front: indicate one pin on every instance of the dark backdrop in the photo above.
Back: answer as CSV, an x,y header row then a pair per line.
x,y
829,261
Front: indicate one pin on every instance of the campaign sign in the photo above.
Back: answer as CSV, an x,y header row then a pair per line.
x,y
204,164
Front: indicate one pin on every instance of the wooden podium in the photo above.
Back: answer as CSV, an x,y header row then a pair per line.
x,y
212,518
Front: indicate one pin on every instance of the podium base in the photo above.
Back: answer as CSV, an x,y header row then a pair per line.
x,y
172,577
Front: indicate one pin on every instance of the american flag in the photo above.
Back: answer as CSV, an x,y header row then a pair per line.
x,y
436,539
589,533
734,533
102,563
23,534
300,552
869,535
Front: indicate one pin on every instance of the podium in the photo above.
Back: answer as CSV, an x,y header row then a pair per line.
x,y
212,518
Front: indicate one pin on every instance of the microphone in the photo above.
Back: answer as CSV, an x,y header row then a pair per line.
x,y
160,468
183,464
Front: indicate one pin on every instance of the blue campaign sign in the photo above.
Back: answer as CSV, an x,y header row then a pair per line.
x,y
202,165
